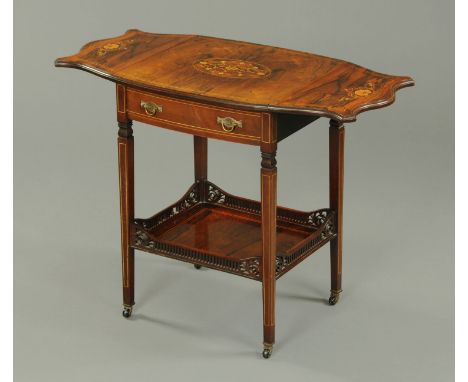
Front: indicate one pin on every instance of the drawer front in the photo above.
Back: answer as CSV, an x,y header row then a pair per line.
x,y
194,118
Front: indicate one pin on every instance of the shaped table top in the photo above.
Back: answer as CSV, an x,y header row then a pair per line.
x,y
239,74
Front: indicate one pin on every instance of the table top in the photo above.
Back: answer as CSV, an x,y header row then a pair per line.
x,y
239,74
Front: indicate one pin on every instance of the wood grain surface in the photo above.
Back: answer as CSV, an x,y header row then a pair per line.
x,y
233,73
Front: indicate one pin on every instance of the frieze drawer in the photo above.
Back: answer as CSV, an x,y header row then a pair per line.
x,y
195,118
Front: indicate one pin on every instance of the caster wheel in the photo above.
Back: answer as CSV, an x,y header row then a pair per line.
x,y
267,353
334,297
333,300
127,312
197,266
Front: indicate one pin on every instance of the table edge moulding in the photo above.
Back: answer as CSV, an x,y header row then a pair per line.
x,y
243,93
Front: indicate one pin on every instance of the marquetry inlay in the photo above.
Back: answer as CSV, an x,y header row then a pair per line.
x,y
230,68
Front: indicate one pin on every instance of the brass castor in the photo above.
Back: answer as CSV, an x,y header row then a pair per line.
x,y
334,296
127,312
197,266
267,350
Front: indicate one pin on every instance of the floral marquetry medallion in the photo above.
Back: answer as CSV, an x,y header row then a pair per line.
x,y
107,48
230,68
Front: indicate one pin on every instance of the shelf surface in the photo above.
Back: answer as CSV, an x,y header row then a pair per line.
x,y
222,231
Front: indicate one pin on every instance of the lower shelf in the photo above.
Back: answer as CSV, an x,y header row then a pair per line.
x,y
210,227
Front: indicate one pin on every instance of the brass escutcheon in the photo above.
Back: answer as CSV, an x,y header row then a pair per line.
x,y
228,124
150,107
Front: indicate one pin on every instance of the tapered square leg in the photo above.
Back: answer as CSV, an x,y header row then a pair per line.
x,y
200,154
336,154
126,187
268,200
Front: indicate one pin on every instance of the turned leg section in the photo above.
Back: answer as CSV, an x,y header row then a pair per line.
x,y
126,186
268,200
336,153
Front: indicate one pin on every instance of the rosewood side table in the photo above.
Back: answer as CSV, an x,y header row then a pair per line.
x,y
243,93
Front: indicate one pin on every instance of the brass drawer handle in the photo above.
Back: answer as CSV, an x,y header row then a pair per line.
x,y
150,107
229,124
